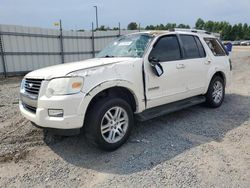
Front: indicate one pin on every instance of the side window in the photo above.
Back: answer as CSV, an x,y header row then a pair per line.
x,y
215,46
200,47
190,46
166,49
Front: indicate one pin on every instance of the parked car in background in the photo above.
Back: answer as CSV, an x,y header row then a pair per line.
x,y
142,75
245,43
236,43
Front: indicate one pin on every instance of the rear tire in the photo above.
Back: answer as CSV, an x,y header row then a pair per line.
x,y
108,123
216,92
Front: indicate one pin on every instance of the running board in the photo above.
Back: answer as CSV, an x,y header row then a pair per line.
x,y
169,108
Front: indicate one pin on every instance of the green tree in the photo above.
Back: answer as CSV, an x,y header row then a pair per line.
x,y
240,33
115,28
199,24
227,31
80,30
150,27
183,26
247,32
161,27
103,28
209,26
132,26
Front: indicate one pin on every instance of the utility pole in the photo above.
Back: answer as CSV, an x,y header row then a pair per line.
x,y
61,42
119,26
93,41
2,55
96,16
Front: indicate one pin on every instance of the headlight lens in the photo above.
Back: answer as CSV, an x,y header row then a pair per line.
x,y
22,86
65,86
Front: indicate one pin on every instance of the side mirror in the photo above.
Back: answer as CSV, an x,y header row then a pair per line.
x,y
156,66
153,60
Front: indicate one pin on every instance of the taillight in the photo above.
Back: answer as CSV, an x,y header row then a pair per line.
x,y
230,63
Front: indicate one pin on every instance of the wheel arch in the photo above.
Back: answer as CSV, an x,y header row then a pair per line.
x,y
220,74
116,91
118,88
217,73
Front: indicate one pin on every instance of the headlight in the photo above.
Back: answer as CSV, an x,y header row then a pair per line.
x,y
22,89
65,86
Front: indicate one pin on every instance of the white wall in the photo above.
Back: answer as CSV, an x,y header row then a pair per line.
x,y
16,64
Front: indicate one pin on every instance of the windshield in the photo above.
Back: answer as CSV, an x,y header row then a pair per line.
x,y
127,46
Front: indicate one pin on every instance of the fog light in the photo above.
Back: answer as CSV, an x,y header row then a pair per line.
x,y
55,112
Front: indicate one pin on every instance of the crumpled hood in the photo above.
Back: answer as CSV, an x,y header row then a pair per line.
x,y
64,69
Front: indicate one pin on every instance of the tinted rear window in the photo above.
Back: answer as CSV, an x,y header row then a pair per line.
x,y
200,47
190,46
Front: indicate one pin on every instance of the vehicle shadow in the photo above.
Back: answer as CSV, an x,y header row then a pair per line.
x,y
160,139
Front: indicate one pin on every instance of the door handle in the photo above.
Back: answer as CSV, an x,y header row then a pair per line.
x,y
180,66
208,62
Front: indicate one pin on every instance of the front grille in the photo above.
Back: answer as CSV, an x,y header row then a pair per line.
x,y
29,108
32,86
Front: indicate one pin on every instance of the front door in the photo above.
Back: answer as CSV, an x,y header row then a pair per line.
x,y
171,85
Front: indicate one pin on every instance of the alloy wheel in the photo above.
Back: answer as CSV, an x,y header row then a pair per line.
x,y
217,92
114,124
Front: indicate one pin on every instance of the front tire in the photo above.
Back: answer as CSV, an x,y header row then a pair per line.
x,y
109,123
216,92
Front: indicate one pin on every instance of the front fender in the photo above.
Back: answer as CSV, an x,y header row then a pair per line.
x,y
88,96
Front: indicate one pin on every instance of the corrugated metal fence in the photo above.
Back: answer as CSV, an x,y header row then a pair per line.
x,y
24,49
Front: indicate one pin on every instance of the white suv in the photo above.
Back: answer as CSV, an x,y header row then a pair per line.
x,y
141,75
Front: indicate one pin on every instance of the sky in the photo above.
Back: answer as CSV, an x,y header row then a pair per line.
x,y
79,14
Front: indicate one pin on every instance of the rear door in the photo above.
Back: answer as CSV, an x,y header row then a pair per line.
x,y
196,64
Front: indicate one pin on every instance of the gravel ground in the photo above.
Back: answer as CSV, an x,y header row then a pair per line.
x,y
195,147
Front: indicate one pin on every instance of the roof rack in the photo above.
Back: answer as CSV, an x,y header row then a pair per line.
x,y
196,31
192,30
